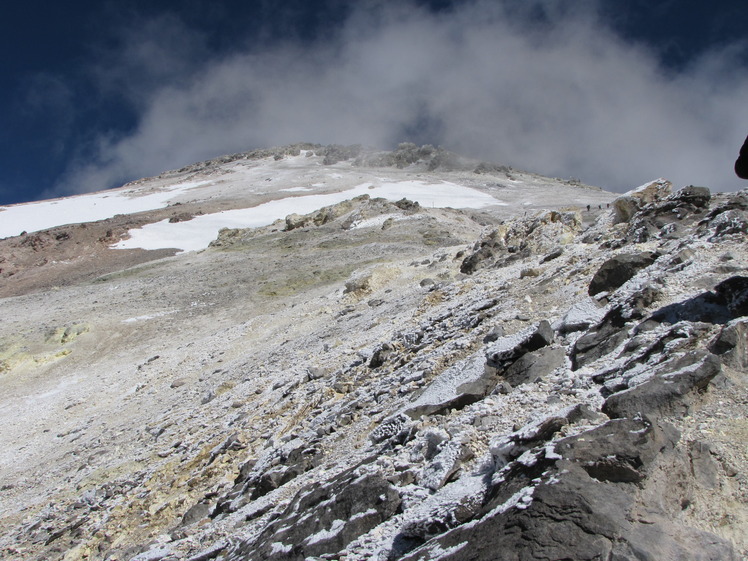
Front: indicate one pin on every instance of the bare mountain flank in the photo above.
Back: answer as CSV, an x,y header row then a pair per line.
x,y
559,375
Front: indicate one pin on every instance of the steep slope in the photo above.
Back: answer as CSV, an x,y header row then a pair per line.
x,y
384,380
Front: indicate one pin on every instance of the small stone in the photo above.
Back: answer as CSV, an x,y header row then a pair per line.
x,y
529,272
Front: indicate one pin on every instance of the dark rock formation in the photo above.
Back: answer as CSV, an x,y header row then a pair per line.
x,y
694,196
619,269
671,391
731,345
582,504
735,293
484,254
533,365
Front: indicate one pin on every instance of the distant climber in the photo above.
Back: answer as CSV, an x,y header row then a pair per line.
x,y
741,164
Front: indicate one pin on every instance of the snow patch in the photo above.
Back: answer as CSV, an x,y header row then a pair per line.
x,y
147,317
278,547
32,217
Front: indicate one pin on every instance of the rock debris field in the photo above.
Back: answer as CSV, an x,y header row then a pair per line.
x,y
545,371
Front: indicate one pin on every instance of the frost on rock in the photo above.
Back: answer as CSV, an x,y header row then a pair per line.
x,y
672,391
390,427
504,449
729,222
506,350
521,500
325,518
428,443
450,506
154,554
580,316
444,464
326,535
459,385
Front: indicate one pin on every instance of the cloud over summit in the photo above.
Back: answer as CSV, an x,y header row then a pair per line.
x,y
557,92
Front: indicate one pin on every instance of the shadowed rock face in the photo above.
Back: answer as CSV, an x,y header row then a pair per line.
x,y
671,391
619,269
379,380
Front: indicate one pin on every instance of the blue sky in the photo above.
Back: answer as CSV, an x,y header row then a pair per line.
x,y
614,93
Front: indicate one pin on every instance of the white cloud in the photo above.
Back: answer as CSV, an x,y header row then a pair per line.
x,y
565,97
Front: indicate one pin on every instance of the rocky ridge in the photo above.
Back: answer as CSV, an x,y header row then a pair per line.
x,y
568,384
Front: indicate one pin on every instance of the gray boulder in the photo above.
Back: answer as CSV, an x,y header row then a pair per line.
x,y
463,383
444,464
731,221
692,195
485,254
619,269
531,366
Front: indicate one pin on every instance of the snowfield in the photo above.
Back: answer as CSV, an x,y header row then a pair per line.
x,y
31,217
200,231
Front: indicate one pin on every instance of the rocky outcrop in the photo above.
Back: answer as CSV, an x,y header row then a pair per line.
x,y
731,345
507,350
580,501
273,470
582,482
628,205
520,238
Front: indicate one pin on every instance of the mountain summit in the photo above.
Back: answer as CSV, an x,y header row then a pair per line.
x,y
327,352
